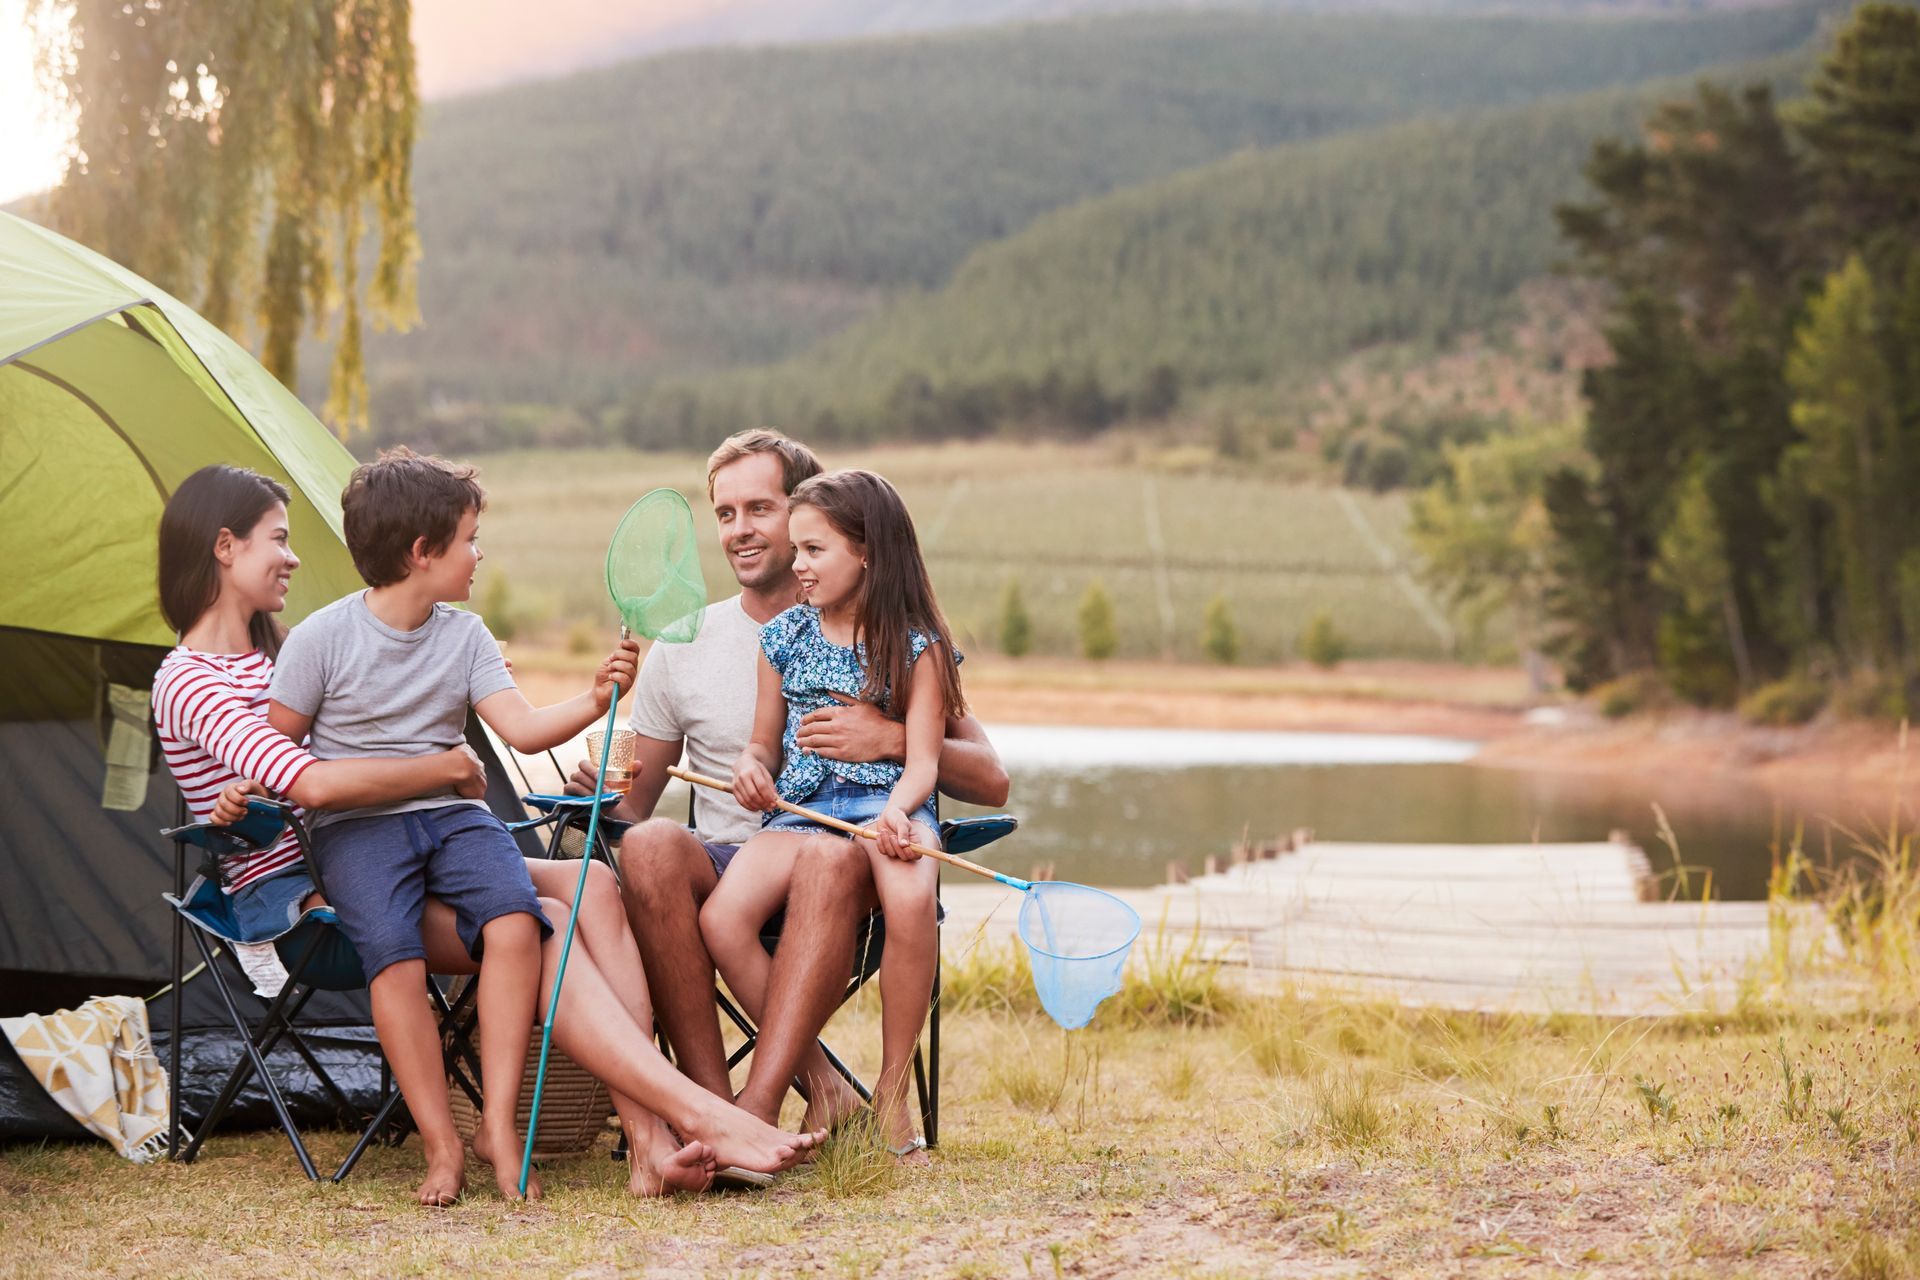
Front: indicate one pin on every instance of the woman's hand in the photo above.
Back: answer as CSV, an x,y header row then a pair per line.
x,y
232,804
752,784
893,832
466,772
617,669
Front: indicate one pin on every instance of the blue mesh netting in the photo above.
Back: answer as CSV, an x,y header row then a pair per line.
x,y
1078,939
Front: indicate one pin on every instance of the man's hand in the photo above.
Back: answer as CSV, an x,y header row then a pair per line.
x,y
469,772
894,832
232,804
617,669
580,781
853,733
752,784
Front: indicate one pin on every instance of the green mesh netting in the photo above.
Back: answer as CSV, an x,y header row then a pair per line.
x,y
653,569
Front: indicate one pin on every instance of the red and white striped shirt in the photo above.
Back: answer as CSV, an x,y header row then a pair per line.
x,y
210,712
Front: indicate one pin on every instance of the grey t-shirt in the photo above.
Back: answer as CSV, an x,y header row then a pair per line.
x,y
375,691
704,693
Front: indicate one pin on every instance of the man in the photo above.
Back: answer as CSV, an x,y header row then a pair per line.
x,y
701,696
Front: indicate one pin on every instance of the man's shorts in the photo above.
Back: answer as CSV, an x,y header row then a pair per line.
x,y
718,854
380,870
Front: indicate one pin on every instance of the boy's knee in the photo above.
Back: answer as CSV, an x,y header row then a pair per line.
x,y
520,930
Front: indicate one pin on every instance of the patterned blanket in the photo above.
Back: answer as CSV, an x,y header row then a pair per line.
x,y
98,1064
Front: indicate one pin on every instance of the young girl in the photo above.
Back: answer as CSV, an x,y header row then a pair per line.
x,y
869,629
225,565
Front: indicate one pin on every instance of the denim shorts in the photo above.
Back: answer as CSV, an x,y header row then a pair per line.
x,y
268,908
380,870
851,802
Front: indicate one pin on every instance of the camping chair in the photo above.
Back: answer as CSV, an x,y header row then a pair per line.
x,y
563,813
317,957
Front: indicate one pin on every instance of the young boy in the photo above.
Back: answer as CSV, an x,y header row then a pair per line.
x,y
391,671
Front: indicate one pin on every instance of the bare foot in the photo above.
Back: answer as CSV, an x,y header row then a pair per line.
x,y
446,1177
660,1167
738,1138
506,1173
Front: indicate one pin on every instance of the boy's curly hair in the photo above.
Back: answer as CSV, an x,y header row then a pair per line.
x,y
399,498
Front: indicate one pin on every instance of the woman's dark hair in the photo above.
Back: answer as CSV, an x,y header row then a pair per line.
x,y
896,596
211,499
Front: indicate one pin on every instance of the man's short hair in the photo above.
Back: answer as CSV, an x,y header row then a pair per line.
x,y
797,462
399,498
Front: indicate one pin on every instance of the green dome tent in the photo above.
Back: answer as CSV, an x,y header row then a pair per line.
x,y
111,393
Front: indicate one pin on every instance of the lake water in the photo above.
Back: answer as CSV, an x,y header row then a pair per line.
x,y
1114,806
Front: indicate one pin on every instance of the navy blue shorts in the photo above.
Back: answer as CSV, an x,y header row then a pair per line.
x,y
851,802
268,908
380,870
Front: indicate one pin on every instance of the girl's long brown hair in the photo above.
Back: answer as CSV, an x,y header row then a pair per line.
x,y
896,595
211,499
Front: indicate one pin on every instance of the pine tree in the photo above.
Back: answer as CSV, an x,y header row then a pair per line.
x,y
1219,638
1843,404
1016,628
1098,639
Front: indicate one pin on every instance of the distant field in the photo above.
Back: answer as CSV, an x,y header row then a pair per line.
x,y
1051,517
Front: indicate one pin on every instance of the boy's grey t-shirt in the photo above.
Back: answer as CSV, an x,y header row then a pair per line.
x,y
375,691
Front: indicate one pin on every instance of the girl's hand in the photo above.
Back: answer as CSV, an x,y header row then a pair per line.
x,y
617,669
232,804
893,832
752,784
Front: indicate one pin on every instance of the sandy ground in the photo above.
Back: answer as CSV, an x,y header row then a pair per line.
x,y
1488,705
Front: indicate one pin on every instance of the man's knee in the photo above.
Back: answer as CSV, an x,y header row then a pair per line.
x,y
659,856
828,869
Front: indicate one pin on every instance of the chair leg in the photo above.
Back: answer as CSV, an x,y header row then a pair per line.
x,y
846,1072
930,1090
174,1035
257,1061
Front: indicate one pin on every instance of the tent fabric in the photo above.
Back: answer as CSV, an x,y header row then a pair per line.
x,y
111,393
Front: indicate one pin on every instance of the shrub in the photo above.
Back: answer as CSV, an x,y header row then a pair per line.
x,y
1628,694
1868,695
1016,628
496,606
1219,638
1794,700
1321,643
1098,639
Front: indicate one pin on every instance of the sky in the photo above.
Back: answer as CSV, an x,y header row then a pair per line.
x,y
461,45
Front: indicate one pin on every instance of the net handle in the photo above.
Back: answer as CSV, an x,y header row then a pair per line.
x,y
952,860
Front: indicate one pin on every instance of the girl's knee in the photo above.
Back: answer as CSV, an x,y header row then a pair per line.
x,y
557,914
720,924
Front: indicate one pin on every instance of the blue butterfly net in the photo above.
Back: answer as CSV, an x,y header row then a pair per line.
x,y
1078,939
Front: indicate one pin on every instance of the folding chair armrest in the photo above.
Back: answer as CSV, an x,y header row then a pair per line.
x,y
963,835
554,808
258,830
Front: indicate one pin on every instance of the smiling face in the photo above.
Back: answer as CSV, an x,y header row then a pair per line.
x,y
750,506
258,567
448,575
831,566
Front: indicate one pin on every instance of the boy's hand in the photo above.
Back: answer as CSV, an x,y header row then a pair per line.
x,y
468,772
894,832
752,784
618,668
232,804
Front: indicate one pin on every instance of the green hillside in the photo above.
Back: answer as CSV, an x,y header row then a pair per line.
x,y
1263,263
725,207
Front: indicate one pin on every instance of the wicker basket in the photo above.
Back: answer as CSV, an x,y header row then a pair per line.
x,y
573,1110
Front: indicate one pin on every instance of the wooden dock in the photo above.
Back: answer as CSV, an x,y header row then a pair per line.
x,y
1569,928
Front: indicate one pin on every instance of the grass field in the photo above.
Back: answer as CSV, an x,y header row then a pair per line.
x,y
1193,1131
1051,517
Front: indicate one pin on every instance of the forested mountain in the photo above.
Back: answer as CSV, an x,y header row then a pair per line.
x,y
717,208
1265,263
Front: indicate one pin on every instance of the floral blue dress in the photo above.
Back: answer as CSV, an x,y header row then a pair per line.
x,y
812,669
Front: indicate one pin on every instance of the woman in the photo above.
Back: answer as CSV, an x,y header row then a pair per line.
x,y
225,565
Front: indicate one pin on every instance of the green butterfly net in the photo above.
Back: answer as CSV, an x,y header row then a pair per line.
x,y
653,569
